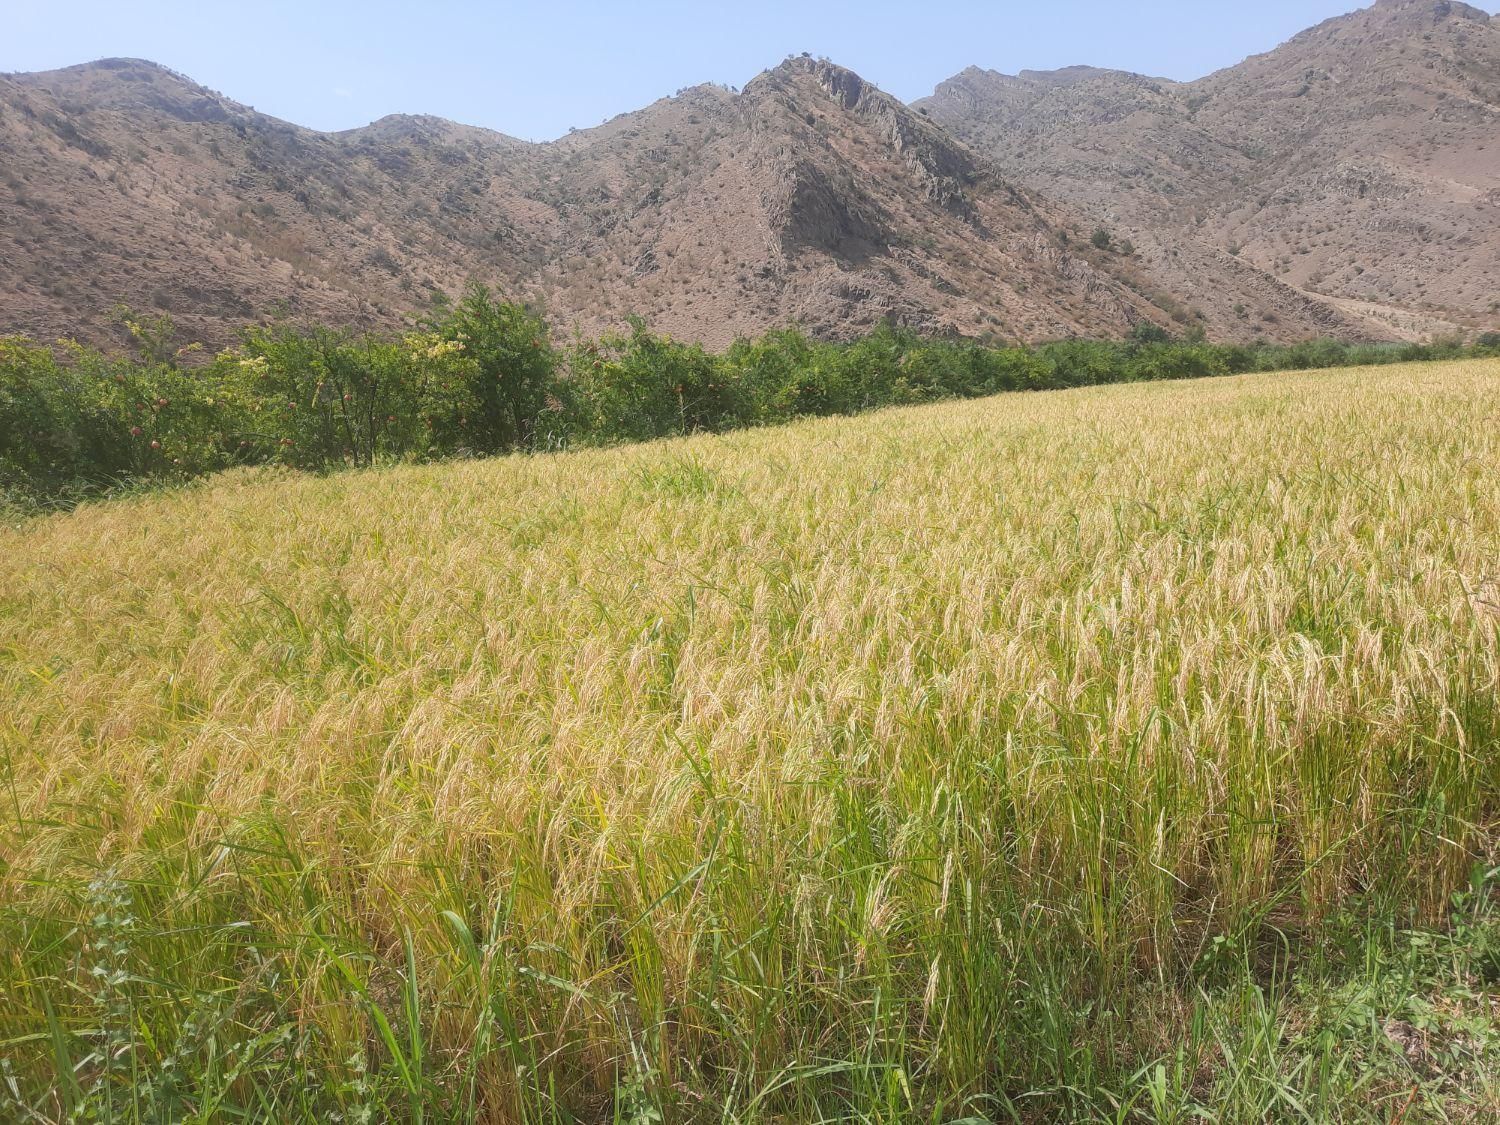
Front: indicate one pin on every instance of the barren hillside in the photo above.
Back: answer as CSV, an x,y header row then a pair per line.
x,y
809,197
1346,184
1359,162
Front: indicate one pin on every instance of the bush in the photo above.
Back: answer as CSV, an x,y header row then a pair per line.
x,y
1176,361
767,372
1081,363
482,377
511,370
75,420
640,386
320,398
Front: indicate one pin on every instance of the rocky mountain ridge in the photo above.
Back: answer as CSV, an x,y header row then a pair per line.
x,y
810,197
1358,163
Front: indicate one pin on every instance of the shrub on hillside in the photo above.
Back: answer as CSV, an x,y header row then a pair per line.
x,y
1175,361
1081,363
74,419
766,373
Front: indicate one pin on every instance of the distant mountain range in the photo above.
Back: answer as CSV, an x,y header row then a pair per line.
x,y
1345,184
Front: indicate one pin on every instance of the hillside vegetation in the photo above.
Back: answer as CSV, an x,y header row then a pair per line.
x,y
1123,753
483,377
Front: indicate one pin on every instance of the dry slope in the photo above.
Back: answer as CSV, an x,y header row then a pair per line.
x,y
808,196
1359,162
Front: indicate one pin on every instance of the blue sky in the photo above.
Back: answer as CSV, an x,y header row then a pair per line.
x,y
534,70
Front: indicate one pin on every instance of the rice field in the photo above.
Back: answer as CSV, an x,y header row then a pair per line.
x,y
1120,754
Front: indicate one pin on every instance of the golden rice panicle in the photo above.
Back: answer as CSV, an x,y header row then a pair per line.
x,y
781,771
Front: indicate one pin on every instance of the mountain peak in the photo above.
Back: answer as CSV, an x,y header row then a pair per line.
x,y
113,70
1430,11
1398,18
1342,184
422,127
1072,75
130,84
839,82
119,63
1353,164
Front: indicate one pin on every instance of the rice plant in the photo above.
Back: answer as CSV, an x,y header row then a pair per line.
x,y
1126,753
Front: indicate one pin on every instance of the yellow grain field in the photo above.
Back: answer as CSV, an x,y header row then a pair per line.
x,y
1015,759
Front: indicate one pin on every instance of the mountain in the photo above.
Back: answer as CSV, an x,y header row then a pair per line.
x,y
808,197
1358,163
1361,206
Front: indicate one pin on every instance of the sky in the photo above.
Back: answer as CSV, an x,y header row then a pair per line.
x,y
534,70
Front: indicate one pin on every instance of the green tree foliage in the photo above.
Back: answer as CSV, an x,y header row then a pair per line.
x,y
511,369
322,397
73,419
640,385
482,376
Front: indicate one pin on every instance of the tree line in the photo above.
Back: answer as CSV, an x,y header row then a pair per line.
x,y
483,376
